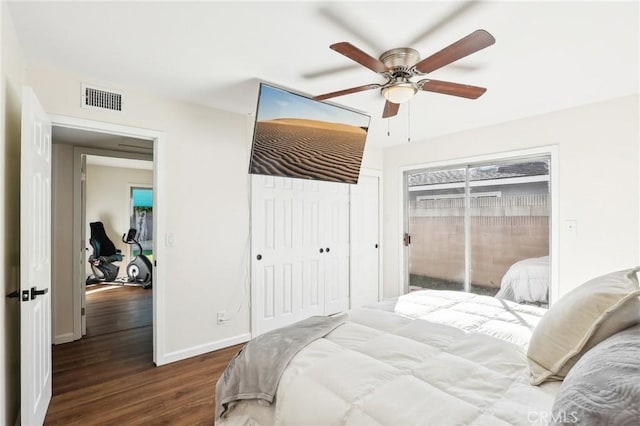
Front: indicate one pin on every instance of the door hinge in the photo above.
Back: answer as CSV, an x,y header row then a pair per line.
x,y
407,240
81,311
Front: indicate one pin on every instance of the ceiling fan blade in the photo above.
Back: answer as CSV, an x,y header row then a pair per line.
x,y
390,109
346,91
458,11
477,40
355,54
454,89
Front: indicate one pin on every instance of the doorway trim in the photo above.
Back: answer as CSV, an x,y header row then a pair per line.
x,y
159,143
554,228
376,173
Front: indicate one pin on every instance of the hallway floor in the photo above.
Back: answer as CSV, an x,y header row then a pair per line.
x,y
109,377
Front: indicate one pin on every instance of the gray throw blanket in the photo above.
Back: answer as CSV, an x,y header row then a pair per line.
x,y
255,371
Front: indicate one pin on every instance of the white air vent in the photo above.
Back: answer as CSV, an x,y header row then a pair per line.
x,y
101,99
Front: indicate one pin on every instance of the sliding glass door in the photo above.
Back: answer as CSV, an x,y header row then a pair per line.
x,y
436,236
468,226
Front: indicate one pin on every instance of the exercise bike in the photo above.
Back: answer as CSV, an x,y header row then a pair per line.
x,y
139,270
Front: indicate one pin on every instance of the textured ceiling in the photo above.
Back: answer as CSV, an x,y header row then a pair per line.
x,y
548,55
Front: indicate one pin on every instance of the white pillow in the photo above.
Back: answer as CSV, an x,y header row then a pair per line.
x,y
580,320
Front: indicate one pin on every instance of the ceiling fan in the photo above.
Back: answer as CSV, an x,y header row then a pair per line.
x,y
399,65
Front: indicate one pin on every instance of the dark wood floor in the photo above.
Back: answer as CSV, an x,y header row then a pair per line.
x,y
109,378
114,308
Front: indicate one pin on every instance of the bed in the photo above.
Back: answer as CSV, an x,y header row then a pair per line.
x,y
427,355
526,281
445,357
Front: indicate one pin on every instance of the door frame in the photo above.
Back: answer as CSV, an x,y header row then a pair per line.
x,y
159,143
376,174
554,226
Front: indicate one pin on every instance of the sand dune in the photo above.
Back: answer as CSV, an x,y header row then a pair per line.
x,y
308,149
317,124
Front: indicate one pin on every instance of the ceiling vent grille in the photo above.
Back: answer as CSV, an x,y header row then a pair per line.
x,y
101,99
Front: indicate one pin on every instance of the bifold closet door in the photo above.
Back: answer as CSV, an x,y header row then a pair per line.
x,y
287,268
335,244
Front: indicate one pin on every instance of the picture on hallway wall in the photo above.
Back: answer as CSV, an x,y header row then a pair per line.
x,y
142,219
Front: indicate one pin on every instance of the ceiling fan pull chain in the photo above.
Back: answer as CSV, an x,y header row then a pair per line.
x,y
409,121
388,127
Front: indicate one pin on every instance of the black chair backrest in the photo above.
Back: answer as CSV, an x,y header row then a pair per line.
x,y
99,240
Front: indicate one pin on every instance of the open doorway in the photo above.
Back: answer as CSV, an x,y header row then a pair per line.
x,y
117,212
92,176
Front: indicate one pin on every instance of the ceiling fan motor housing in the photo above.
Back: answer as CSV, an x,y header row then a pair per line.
x,y
400,61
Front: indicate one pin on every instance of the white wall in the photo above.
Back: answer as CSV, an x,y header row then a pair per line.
x,y
372,158
204,193
12,79
62,246
108,201
204,190
598,176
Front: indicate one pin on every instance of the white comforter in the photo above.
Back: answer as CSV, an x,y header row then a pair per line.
x,y
430,357
526,281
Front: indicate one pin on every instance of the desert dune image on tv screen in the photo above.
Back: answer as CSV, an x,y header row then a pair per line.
x,y
298,137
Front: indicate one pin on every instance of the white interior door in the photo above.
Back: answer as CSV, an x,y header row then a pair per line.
x,y
35,261
335,251
286,272
365,252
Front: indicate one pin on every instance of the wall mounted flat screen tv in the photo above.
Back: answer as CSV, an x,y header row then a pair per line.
x,y
298,137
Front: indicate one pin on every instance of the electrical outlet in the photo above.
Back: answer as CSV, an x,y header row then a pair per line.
x,y
222,317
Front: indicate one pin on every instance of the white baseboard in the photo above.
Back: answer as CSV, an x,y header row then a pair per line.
x,y
63,338
202,349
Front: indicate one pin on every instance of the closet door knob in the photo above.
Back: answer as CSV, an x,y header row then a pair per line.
x,y
327,249
259,257
321,250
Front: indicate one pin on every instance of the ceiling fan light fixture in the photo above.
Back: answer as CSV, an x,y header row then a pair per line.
x,y
399,92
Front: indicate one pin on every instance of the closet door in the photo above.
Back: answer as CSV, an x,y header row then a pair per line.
x,y
287,272
335,249
365,241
